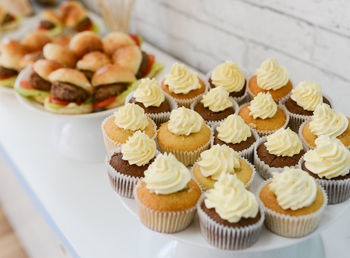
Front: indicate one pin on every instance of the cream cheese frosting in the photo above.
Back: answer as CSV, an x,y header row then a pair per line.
x,y
139,149
217,160
271,76
294,188
229,76
328,121
307,95
180,79
329,159
131,117
283,142
217,99
166,175
231,200
184,121
262,106
233,130
149,93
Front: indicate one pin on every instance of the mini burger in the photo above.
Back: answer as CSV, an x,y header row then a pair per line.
x,y
85,42
115,40
31,58
111,84
38,86
7,20
92,62
36,41
51,23
70,92
59,54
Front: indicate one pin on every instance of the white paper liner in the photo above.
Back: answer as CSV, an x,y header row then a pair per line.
x,y
306,145
164,221
337,190
110,144
279,100
291,226
228,238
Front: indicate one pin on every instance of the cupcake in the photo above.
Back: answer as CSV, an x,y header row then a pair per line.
x,y
126,165
293,203
166,198
183,85
220,159
229,76
276,151
302,103
263,115
273,78
229,215
329,164
215,106
185,135
118,127
236,134
150,97
325,121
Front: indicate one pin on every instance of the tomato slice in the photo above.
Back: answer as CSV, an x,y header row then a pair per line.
x,y
42,28
61,102
151,60
104,103
26,85
90,27
136,39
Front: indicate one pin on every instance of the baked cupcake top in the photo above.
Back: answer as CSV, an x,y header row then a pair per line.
x,y
217,99
229,76
307,95
329,159
149,93
294,188
139,149
217,160
184,121
180,79
284,142
131,117
233,130
231,200
166,175
271,76
262,106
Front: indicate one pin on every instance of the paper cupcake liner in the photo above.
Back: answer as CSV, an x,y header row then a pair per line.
x,y
295,120
291,226
306,145
228,238
279,100
164,221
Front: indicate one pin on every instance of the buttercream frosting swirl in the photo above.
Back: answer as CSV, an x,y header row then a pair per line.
x,y
329,159
231,200
233,130
262,106
184,121
283,142
271,76
217,99
229,76
307,95
166,175
149,93
294,188
139,149
131,117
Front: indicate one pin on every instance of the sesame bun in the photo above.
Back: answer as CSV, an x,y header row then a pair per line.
x,y
36,41
93,61
115,40
51,16
72,76
12,53
59,54
29,59
45,67
85,42
62,40
129,57
112,74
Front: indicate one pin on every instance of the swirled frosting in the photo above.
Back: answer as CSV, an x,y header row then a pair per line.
x,y
131,117
149,93
233,130
307,95
262,106
139,149
271,76
283,142
166,175
217,160
182,80
217,99
231,200
184,121
329,159
294,188
229,76
328,121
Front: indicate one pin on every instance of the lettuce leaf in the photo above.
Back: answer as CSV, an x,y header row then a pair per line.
x,y
31,93
56,31
155,69
95,28
8,83
71,105
131,88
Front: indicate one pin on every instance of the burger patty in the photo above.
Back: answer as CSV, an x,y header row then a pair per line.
x,y
108,91
37,82
47,24
143,65
68,92
7,72
83,24
88,74
8,18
